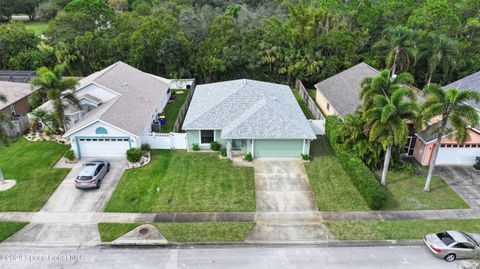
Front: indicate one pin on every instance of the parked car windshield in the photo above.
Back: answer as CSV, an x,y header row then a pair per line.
x,y
471,240
84,177
446,238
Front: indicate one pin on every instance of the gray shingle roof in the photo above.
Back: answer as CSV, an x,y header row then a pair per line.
x,y
343,89
248,109
471,82
140,93
14,91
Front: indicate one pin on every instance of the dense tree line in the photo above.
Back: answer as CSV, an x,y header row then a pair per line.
x,y
434,40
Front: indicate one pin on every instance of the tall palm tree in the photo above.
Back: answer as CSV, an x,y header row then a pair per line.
x,y
401,47
386,121
57,89
440,52
382,85
451,107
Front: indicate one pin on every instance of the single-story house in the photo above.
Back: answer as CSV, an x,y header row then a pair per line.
x,y
118,106
340,94
248,116
17,105
450,152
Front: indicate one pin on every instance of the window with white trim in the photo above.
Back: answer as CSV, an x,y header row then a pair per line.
x,y
207,136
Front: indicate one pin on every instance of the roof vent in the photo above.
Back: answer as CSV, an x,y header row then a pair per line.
x,y
125,84
275,98
244,82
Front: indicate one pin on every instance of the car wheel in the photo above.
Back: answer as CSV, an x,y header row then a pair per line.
x,y
450,257
108,168
98,184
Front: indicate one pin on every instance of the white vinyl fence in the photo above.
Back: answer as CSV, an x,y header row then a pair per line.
x,y
318,126
166,141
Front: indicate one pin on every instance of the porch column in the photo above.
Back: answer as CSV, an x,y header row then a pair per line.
x,y
253,148
229,148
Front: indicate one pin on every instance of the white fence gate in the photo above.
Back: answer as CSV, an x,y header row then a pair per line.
x,y
318,126
166,141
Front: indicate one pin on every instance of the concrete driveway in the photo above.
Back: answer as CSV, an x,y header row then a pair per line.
x,y
464,180
285,204
51,228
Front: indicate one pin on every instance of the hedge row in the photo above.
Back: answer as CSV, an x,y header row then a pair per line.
x,y
364,180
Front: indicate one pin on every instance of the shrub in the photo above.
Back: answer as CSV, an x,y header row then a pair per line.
x,y
195,147
364,180
404,167
145,147
214,145
305,157
248,157
134,155
69,155
223,152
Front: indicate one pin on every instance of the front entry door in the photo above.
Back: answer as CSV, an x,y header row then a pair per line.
x,y
238,143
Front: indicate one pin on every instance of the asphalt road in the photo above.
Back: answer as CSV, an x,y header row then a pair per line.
x,y
223,257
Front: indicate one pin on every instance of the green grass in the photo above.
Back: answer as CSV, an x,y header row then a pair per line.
x,y
30,164
405,192
9,228
332,186
37,27
303,106
312,93
171,111
394,230
184,232
179,181
334,190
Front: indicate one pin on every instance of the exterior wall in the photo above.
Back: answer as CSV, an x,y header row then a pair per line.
x,y
306,149
112,132
423,152
322,104
97,91
21,107
218,134
278,148
193,136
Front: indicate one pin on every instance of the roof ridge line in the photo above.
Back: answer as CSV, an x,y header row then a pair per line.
x,y
248,112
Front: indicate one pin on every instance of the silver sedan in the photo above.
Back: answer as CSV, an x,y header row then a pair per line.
x,y
92,174
450,245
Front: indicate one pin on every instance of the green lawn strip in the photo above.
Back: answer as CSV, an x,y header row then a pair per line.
x,y
395,230
184,232
334,191
179,181
172,109
312,93
30,164
405,192
303,106
37,27
9,228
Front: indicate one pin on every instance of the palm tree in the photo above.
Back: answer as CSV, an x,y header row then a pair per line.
x,y
451,107
401,47
440,52
386,121
57,89
381,85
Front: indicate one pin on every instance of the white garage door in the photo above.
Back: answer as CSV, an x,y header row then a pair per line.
x,y
103,147
457,156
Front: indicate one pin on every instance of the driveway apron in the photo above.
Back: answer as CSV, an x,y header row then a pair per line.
x,y
285,203
68,201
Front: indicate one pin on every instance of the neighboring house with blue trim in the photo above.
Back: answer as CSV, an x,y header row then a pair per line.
x,y
118,106
248,116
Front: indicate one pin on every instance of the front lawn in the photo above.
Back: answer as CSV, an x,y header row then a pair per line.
x,y
180,181
9,228
303,106
184,232
334,190
332,186
37,27
395,230
171,110
30,164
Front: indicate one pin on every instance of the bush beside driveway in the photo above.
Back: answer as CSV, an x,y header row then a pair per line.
x,y
30,163
184,232
334,191
180,181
